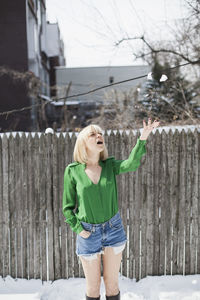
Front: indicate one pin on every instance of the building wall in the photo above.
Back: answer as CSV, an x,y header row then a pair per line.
x,y
55,50
55,45
13,35
24,47
86,78
13,55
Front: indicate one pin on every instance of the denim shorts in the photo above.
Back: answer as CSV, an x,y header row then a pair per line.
x,y
108,234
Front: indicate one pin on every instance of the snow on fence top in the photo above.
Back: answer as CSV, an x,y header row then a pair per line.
x,y
160,129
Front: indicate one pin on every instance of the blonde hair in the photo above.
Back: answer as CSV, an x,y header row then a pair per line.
x,y
80,152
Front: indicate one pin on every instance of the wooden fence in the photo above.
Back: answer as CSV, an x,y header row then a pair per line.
x,y
159,205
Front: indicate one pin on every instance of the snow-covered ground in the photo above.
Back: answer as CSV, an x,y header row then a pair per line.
x,y
176,287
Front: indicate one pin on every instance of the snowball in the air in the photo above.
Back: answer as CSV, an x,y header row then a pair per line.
x,y
149,76
49,130
163,78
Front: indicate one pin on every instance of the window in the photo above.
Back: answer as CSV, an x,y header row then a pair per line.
x,y
111,79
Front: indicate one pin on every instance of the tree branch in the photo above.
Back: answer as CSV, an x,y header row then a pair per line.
x,y
153,50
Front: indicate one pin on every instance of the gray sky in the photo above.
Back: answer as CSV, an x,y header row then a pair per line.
x,y
90,28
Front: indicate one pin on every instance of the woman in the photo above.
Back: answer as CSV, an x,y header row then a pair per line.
x,y
90,183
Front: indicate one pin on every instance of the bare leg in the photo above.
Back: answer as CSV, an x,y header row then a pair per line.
x,y
92,271
111,266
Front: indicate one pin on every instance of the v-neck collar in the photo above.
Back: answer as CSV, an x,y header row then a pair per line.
x,y
84,167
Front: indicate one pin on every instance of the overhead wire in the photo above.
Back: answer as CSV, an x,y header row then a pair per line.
x,y
88,92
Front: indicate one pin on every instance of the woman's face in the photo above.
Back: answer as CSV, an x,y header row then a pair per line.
x,y
95,141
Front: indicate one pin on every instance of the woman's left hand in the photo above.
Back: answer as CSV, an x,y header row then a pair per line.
x,y
148,128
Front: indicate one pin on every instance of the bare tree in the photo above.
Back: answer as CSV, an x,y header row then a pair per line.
x,y
185,45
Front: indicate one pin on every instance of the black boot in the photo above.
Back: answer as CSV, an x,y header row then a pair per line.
x,y
116,297
91,298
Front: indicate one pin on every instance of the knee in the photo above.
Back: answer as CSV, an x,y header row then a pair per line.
x,y
93,288
111,286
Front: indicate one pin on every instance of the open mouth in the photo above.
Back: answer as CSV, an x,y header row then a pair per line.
x,y
99,143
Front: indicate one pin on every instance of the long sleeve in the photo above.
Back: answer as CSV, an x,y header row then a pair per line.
x,y
133,161
69,202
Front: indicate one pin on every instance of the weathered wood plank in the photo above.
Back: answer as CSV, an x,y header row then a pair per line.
x,y
36,210
62,164
108,143
167,205
137,215
182,199
143,251
175,197
150,210
125,192
31,201
162,267
18,203
194,200
118,155
68,149
132,220
74,235
42,199
5,206
24,204
12,206
156,200
57,257
1,207
50,207
198,242
188,201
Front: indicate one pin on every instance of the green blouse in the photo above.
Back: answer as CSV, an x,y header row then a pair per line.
x,y
96,203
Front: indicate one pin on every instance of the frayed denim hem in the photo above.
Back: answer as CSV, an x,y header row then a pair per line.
x,y
116,248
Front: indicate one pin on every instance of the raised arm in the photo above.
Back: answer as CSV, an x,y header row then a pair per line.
x,y
133,161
